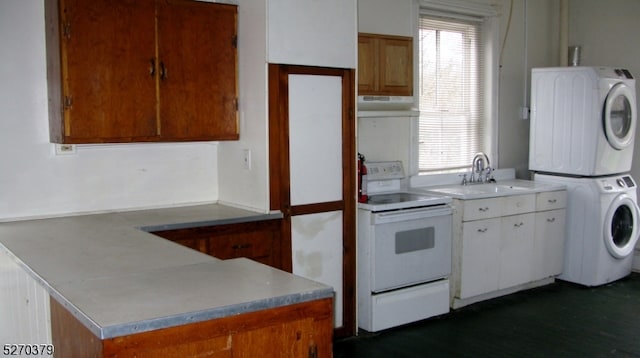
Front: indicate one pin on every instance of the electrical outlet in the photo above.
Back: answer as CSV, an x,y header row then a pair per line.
x,y
65,149
246,159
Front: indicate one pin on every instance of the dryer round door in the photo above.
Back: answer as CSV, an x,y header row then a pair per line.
x,y
619,116
621,226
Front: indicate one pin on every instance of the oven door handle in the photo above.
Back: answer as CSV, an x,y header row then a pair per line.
x,y
409,214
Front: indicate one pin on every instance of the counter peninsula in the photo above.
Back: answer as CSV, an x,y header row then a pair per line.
x,y
117,289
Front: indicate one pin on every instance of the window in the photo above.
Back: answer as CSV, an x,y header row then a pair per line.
x,y
455,81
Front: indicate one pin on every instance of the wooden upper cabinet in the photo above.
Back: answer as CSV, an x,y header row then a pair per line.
x,y
141,70
385,65
198,64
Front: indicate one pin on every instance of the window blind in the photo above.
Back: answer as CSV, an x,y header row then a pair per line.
x,y
452,123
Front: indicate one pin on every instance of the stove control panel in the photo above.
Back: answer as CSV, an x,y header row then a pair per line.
x,y
384,170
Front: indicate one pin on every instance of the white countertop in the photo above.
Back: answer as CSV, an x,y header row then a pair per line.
x,y
118,279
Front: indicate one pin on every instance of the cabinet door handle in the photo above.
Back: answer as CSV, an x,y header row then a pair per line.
x,y
484,209
313,351
483,230
518,224
550,220
152,68
163,71
552,201
241,246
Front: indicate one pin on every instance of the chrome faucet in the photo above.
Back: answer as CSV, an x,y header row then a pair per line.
x,y
479,165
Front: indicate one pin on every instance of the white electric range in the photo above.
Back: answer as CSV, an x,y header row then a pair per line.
x,y
404,251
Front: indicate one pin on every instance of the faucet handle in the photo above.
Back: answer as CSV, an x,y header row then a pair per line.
x,y
464,178
489,175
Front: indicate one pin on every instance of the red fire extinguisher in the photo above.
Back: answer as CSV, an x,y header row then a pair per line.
x,y
362,179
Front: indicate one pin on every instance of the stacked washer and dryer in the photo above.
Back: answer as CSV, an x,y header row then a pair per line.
x,y
583,122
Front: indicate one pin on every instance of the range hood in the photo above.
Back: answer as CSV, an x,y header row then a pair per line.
x,y
386,103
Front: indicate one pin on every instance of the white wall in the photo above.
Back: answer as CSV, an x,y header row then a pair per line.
x,y
239,186
311,32
36,182
531,41
386,17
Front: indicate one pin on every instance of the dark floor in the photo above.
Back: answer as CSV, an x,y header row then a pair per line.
x,y
559,320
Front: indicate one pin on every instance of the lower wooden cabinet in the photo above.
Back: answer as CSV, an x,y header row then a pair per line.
x,y
298,330
257,240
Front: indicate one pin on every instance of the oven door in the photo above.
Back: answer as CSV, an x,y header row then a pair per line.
x,y
410,247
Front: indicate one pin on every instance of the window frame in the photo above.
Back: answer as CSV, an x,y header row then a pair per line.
x,y
490,38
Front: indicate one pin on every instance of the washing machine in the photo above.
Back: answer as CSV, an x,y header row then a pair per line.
x,y
583,120
601,227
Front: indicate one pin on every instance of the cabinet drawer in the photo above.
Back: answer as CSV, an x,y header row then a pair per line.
x,y
518,204
551,200
481,209
256,246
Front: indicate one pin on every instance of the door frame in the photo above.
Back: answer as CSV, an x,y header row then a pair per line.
x,y
279,178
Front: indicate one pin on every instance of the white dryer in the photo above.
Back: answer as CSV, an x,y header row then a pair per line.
x,y
583,120
601,227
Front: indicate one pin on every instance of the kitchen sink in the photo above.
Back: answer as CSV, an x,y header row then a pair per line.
x,y
488,190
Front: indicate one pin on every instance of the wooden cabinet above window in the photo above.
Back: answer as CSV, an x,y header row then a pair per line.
x,y
141,70
385,65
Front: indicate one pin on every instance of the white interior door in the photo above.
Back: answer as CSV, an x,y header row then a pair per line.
x,y
316,176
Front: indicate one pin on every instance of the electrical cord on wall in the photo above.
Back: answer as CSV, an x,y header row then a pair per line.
x,y
506,34
525,61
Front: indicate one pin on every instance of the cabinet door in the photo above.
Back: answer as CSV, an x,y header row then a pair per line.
x,y
516,247
385,65
396,66
367,64
479,261
108,87
293,339
197,70
548,251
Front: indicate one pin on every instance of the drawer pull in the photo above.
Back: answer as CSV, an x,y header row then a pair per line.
x,y
550,220
484,209
552,201
518,224
483,230
241,246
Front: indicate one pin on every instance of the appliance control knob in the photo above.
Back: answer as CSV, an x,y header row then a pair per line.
x,y
620,182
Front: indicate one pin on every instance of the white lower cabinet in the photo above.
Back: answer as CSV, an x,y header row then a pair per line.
x,y
516,246
504,243
480,246
548,245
